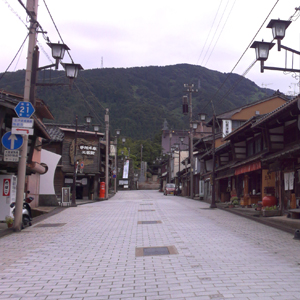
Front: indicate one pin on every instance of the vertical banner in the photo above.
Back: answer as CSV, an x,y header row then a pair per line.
x,y
6,187
227,127
286,181
126,169
201,188
291,181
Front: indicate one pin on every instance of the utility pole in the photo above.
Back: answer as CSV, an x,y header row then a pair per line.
x,y
73,203
142,158
31,6
106,119
190,90
213,196
169,163
116,164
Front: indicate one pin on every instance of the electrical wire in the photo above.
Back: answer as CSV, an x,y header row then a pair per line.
x,y
215,31
210,31
57,29
14,12
82,96
92,109
220,32
14,57
33,19
248,69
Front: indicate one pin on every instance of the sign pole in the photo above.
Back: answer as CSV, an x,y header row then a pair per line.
x,y
32,6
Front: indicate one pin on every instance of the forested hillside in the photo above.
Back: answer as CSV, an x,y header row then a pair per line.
x,y
139,99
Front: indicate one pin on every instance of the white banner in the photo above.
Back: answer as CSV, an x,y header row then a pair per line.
x,y
291,181
126,169
286,181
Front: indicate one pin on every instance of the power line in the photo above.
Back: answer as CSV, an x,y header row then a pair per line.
x,y
210,31
15,56
92,109
57,29
220,32
15,13
248,69
215,31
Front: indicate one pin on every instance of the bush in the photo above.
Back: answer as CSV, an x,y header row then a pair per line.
x,y
271,208
235,202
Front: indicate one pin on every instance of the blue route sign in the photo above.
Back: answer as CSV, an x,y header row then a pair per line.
x,y
24,109
12,141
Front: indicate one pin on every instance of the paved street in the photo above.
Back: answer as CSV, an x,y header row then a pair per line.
x,y
90,252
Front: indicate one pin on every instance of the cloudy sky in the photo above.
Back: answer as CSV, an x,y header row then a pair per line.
x,y
135,33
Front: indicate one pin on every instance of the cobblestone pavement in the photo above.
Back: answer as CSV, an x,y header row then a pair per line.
x,y
89,252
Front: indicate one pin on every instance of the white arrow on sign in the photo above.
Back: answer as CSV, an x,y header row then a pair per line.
x,y
12,139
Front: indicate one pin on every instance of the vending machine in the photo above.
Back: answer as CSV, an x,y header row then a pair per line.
x,y
8,191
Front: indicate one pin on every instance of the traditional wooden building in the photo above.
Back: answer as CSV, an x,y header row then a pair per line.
x,y
34,166
90,159
266,157
227,124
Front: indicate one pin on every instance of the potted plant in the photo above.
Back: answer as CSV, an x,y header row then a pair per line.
x,y
234,202
9,221
271,211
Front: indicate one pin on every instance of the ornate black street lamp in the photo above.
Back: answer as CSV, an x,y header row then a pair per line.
x,y
262,48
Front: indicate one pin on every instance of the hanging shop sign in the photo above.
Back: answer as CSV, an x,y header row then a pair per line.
x,y
88,150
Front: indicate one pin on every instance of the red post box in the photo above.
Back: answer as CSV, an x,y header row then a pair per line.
x,y
102,190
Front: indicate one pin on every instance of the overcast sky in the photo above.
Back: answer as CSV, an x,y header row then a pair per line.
x,y
133,33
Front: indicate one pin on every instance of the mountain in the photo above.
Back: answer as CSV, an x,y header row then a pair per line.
x,y
140,98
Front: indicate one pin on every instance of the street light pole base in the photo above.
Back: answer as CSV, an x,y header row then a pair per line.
x,y
213,205
73,205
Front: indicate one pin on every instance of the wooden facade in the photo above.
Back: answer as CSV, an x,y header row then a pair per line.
x,y
89,159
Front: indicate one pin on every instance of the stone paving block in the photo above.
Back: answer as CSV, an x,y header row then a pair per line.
x,y
218,254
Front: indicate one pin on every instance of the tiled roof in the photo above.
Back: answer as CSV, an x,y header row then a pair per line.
x,y
252,120
55,133
229,114
283,152
276,111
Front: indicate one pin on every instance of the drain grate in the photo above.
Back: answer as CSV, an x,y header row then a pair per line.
x,y
149,222
51,225
146,209
146,204
151,251
156,251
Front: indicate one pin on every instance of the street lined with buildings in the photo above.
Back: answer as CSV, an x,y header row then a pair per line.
x,y
94,251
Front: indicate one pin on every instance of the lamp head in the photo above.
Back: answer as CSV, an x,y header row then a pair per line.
x,y
58,51
88,118
262,49
278,28
72,70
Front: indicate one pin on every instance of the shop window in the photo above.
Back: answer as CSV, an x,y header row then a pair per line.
x,y
258,144
250,148
291,134
236,124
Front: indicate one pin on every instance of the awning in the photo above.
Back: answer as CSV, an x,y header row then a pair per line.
x,y
248,168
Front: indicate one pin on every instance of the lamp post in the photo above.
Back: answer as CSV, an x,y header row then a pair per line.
x,y
106,119
177,147
262,48
29,94
118,132
73,203
213,196
190,89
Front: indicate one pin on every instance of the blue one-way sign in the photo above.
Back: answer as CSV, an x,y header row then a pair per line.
x,y
24,109
12,141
